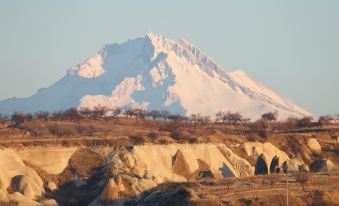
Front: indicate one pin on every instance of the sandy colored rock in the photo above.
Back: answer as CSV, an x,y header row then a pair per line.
x,y
51,159
203,171
150,165
16,197
314,145
50,202
51,186
267,152
24,185
85,161
180,165
27,202
120,184
242,166
110,192
323,166
11,165
3,196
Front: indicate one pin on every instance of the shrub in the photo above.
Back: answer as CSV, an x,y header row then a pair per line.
x,y
60,131
136,139
180,135
305,122
41,115
260,127
86,130
71,114
303,179
193,140
163,141
99,111
153,136
323,120
169,127
252,137
20,117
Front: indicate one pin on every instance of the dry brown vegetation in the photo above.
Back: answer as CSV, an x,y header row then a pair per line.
x,y
319,191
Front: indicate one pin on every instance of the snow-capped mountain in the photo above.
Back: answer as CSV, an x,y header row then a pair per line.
x,y
155,72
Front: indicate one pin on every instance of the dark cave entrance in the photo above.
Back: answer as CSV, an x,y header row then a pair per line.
x,y
261,166
274,167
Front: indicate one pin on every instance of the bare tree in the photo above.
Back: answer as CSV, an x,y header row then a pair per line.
x,y
99,111
137,113
323,120
176,117
229,117
164,114
270,116
234,118
204,119
85,112
154,114
20,117
195,117
221,116
116,111
305,122
70,114
42,115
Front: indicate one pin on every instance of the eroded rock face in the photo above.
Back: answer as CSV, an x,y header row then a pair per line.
x,y
110,192
24,185
51,159
180,165
294,165
270,159
314,145
85,161
11,165
203,171
322,166
146,166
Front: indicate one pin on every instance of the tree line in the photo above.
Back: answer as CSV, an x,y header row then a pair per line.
x,y
226,117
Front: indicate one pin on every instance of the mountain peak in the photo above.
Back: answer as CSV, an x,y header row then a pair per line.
x,y
156,72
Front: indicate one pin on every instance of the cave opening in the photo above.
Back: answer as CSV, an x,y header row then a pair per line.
x,y
274,167
261,166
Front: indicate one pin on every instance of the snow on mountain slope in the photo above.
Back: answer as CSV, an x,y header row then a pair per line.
x,y
258,91
155,72
90,68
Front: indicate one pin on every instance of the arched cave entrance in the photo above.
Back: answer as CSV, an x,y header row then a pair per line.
x,y
274,167
261,166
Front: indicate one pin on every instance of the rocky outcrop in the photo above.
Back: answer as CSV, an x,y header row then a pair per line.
x,y
242,166
110,192
203,171
13,172
51,159
322,166
270,159
314,145
180,165
146,166
294,165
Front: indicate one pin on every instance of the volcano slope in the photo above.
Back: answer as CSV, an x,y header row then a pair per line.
x,y
145,162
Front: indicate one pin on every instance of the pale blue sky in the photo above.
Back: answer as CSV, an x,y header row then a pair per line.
x,y
290,45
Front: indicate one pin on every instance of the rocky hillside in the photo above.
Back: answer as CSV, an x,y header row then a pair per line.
x,y
114,176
